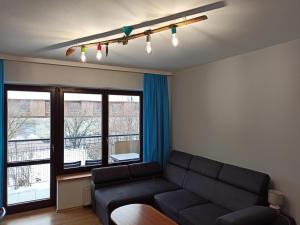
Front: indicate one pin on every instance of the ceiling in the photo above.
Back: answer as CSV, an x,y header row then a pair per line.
x,y
28,26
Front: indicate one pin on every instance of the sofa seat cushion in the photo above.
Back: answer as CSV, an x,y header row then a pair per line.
x,y
174,201
135,192
159,185
205,214
225,195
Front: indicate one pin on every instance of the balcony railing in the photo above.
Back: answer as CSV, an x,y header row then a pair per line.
x,y
80,148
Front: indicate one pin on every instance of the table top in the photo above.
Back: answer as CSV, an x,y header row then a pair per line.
x,y
125,156
139,214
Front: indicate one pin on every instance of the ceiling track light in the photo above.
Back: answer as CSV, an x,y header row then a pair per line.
x,y
124,39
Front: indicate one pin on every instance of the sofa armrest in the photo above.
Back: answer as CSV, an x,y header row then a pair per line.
x,y
283,219
258,215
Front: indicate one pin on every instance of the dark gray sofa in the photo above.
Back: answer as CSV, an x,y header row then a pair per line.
x,y
191,190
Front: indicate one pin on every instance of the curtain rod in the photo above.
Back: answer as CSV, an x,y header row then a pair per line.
x,y
82,65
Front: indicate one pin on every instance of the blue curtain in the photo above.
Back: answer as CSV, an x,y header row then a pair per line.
x,y
156,118
1,130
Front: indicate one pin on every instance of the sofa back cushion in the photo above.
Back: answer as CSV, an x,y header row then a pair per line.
x,y
139,170
205,166
246,179
110,174
177,167
180,159
228,196
174,174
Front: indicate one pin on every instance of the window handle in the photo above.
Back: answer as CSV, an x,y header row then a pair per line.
x,y
52,148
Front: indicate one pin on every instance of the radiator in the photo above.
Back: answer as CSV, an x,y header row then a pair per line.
x,y
73,193
86,196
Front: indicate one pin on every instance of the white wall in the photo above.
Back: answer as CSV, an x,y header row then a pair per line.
x,y
245,110
43,74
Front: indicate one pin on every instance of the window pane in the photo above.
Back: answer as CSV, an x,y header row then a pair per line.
x,y
82,130
28,183
28,126
124,127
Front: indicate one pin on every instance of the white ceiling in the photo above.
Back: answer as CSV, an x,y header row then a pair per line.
x,y
241,26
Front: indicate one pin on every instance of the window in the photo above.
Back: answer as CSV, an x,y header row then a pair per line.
x,y
82,130
51,131
72,107
97,108
124,128
116,108
47,108
100,128
90,127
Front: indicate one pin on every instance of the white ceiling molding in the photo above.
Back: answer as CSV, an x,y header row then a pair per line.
x,y
82,65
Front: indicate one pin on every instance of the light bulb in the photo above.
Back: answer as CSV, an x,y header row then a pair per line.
x,y
99,55
174,40
148,45
83,56
148,48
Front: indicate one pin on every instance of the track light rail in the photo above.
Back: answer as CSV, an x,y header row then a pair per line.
x,y
124,39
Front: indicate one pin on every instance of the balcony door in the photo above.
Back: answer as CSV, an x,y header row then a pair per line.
x,y
29,148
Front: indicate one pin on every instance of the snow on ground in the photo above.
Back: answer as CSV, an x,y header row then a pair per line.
x,y
36,191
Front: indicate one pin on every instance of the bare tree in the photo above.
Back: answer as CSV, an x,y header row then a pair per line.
x,y
16,120
20,177
78,126
94,151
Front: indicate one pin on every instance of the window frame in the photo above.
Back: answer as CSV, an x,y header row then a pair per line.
x,y
57,136
53,137
105,127
57,112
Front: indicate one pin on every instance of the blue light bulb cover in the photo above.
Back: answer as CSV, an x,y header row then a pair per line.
x,y
127,30
173,30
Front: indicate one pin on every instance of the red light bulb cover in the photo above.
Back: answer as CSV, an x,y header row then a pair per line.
x,y
99,47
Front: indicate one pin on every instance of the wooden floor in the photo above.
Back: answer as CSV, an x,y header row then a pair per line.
x,y
48,216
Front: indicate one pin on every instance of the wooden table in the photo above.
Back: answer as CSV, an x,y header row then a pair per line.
x,y
124,157
139,214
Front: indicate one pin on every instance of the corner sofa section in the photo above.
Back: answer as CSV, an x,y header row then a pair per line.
x,y
191,190
113,187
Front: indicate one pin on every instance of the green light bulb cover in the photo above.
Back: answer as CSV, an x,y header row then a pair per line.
x,y
173,30
127,30
83,49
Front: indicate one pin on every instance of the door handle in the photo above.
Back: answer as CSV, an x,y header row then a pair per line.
x,y
52,148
